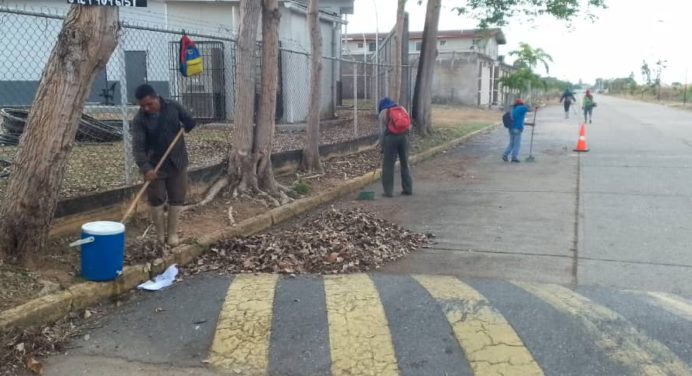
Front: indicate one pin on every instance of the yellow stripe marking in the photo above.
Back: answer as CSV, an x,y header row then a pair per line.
x,y
491,345
358,330
674,304
241,341
617,337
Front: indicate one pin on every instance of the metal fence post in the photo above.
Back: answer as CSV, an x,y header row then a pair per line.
x,y
127,136
355,98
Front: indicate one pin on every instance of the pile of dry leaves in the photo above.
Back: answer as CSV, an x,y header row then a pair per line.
x,y
335,241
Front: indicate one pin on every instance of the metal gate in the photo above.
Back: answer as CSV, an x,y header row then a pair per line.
x,y
203,95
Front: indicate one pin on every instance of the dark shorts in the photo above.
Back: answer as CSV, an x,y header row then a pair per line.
x,y
171,187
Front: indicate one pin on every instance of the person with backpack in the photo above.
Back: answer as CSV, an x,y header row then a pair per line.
x,y
394,125
154,129
567,99
587,105
514,122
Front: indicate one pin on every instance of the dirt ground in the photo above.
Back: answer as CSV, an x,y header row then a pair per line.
x,y
58,266
98,167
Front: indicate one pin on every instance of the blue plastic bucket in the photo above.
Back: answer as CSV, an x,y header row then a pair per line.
x,y
103,250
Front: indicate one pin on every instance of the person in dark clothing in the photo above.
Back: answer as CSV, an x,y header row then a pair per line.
x,y
153,130
393,145
567,99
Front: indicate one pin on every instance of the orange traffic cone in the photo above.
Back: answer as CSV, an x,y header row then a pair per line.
x,y
581,144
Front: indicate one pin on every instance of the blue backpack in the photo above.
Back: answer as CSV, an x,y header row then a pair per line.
x,y
190,59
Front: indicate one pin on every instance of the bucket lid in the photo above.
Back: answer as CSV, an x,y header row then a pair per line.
x,y
103,228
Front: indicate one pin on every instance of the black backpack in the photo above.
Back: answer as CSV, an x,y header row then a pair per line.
x,y
507,119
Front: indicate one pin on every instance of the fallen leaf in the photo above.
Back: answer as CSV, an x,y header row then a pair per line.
x,y
34,366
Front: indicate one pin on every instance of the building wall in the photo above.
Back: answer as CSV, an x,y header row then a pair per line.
x,y
296,78
19,77
455,80
485,84
463,78
444,45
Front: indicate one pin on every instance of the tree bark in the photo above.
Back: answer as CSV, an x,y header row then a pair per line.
x,y
311,154
397,58
87,39
267,108
242,161
422,95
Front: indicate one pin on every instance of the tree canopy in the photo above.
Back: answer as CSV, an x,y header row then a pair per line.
x,y
498,12
529,57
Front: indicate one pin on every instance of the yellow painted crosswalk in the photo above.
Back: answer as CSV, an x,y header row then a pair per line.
x,y
674,304
358,330
241,341
352,321
618,338
491,345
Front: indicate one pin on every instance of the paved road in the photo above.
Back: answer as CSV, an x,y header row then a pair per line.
x,y
619,215
387,324
572,265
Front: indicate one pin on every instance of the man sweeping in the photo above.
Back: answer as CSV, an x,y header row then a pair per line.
x,y
153,130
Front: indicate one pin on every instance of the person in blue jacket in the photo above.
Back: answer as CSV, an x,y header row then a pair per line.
x,y
519,111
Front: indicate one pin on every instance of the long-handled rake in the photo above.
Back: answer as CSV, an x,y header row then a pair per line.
x,y
531,158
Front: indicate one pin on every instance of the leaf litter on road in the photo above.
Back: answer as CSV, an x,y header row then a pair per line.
x,y
333,241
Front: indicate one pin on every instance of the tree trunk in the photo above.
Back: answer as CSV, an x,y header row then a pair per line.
x,y
242,163
267,107
311,154
397,59
422,95
87,39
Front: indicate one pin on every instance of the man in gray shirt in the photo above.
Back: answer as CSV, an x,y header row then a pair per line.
x,y
153,130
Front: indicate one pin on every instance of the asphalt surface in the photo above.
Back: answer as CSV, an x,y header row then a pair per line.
x,y
570,265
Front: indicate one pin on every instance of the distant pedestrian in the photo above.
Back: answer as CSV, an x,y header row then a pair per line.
x,y
154,128
394,125
519,112
587,105
566,100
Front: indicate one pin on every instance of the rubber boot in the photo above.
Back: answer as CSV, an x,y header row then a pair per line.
x,y
157,219
173,215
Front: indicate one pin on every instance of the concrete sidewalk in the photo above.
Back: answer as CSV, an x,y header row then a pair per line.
x,y
496,219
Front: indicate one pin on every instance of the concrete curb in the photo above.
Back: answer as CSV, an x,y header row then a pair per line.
x,y
54,306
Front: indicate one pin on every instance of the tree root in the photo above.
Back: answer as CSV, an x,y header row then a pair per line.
x,y
211,194
271,200
240,191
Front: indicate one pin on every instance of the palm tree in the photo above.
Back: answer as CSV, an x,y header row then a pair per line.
x,y
529,57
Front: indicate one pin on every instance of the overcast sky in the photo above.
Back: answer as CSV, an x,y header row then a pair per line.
x,y
626,33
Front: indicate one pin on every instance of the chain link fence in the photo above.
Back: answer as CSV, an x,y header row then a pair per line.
x,y
147,53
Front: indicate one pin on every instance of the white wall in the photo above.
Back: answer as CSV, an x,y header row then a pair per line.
x,y
487,46
485,84
214,18
296,79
